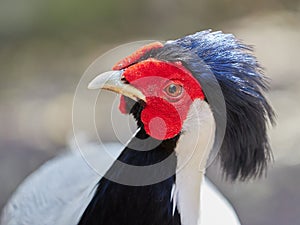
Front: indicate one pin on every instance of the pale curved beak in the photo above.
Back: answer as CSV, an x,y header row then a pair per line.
x,y
112,81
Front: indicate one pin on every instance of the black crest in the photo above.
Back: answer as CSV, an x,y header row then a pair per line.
x,y
245,149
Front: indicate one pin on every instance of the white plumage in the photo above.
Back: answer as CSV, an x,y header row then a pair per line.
x,y
61,189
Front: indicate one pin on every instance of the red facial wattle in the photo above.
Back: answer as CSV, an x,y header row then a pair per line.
x,y
164,112
161,119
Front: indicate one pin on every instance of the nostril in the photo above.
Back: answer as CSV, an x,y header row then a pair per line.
x,y
123,79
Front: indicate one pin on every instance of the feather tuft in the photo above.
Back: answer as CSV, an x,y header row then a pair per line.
x,y
220,60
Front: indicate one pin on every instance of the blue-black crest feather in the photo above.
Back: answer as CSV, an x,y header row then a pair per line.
x,y
245,149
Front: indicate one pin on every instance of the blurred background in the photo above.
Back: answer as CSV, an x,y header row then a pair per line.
x,y
45,46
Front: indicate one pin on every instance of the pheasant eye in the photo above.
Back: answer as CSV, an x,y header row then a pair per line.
x,y
173,90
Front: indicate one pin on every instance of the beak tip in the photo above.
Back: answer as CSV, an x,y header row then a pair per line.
x,y
97,83
91,86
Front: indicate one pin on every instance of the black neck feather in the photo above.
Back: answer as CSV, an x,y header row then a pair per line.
x,y
115,203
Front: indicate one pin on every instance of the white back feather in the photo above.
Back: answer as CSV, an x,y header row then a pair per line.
x,y
60,190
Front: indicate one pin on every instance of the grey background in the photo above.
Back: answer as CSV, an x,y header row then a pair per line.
x,y
45,46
